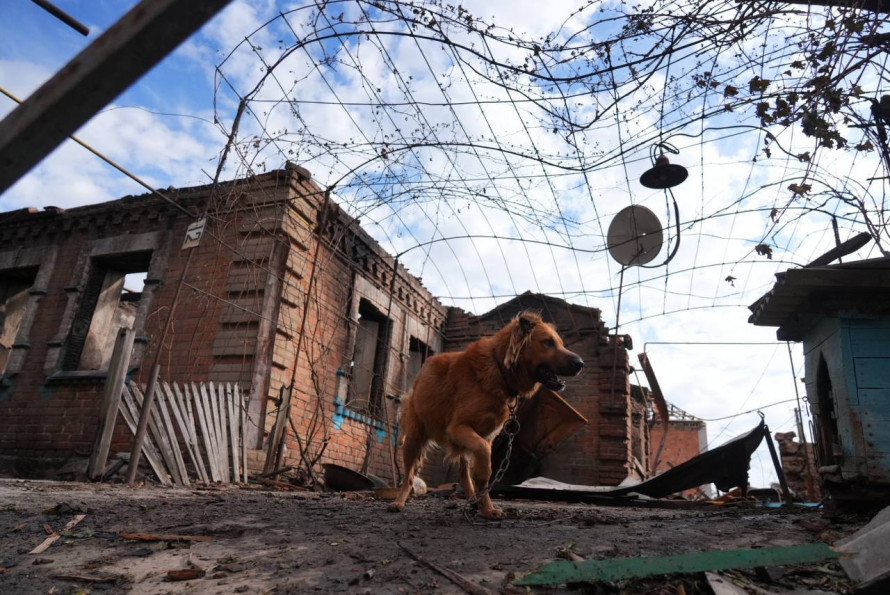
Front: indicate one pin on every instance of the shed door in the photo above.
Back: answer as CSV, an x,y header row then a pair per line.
x,y
829,447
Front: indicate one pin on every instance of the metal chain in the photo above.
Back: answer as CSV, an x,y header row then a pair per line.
x,y
510,430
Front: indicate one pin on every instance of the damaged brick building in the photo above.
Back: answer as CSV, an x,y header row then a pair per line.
x,y
285,295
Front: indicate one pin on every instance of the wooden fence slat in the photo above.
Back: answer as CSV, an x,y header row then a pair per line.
x,y
207,392
131,414
233,434
222,443
241,403
188,424
163,404
173,405
204,419
273,444
156,430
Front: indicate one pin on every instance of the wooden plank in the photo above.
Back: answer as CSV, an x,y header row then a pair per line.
x,y
162,537
130,414
224,430
56,536
277,431
241,403
163,404
870,342
159,434
191,401
121,55
222,443
872,372
591,571
182,424
111,400
207,393
203,411
233,434
191,437
195,403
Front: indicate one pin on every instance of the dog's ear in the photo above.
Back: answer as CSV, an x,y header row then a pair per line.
x,y
523,325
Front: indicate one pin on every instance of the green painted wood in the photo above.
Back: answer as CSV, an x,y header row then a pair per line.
x,y
587,571
874,414
872,372
871,341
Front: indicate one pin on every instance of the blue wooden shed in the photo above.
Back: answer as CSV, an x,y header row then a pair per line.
x,y
841,313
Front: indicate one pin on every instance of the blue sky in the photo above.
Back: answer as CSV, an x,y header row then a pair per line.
x,y
162,129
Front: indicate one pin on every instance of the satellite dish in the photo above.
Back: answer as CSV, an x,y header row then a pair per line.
x,y
635,236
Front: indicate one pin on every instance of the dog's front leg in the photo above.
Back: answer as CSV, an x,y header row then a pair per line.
x,y
465,480
412,449
469,441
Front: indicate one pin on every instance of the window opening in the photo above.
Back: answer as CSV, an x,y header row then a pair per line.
x,y
369,359
15,285
109,302
418,353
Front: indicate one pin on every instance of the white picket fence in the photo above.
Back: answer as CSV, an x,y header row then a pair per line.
x,y
207,421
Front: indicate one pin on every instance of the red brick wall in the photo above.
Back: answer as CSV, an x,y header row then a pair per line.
x,y
685,439
345,253
206,341
232,290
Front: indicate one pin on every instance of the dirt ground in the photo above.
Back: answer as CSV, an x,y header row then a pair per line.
x,y
264,541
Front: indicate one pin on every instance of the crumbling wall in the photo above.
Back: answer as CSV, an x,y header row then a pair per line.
x,y
685,439
324,286
799,466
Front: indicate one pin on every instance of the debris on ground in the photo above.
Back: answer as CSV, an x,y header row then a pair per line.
x,y
250,539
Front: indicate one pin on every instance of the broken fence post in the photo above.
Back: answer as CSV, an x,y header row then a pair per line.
x,y
111,400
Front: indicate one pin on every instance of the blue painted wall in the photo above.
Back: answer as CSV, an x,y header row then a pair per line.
x,y
857,354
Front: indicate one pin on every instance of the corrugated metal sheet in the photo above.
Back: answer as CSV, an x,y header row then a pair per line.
x,y
800,293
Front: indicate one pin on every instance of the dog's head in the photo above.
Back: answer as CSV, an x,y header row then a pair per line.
x,y
536,351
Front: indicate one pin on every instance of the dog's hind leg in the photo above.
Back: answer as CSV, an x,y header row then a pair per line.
x,y
469,441
411,451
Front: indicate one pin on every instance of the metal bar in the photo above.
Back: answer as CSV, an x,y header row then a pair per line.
x,y
63,16
786,493
101,72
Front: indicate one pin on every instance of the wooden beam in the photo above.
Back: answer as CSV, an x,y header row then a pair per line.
x,y
101,72
111,401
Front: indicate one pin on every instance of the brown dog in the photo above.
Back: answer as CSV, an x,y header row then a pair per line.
x,y
460,400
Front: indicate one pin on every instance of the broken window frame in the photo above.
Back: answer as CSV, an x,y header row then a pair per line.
x,y
153,248
371,381
87,348
41,259
423,351
404,323
15,285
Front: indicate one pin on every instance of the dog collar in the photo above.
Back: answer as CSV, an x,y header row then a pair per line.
x,y
511,392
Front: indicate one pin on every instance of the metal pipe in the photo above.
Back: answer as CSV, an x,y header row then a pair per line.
x,y
63,16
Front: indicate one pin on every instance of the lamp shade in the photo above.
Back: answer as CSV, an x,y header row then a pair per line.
x,y
663,174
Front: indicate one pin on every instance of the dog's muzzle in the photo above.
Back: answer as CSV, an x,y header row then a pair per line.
x,y
550,377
